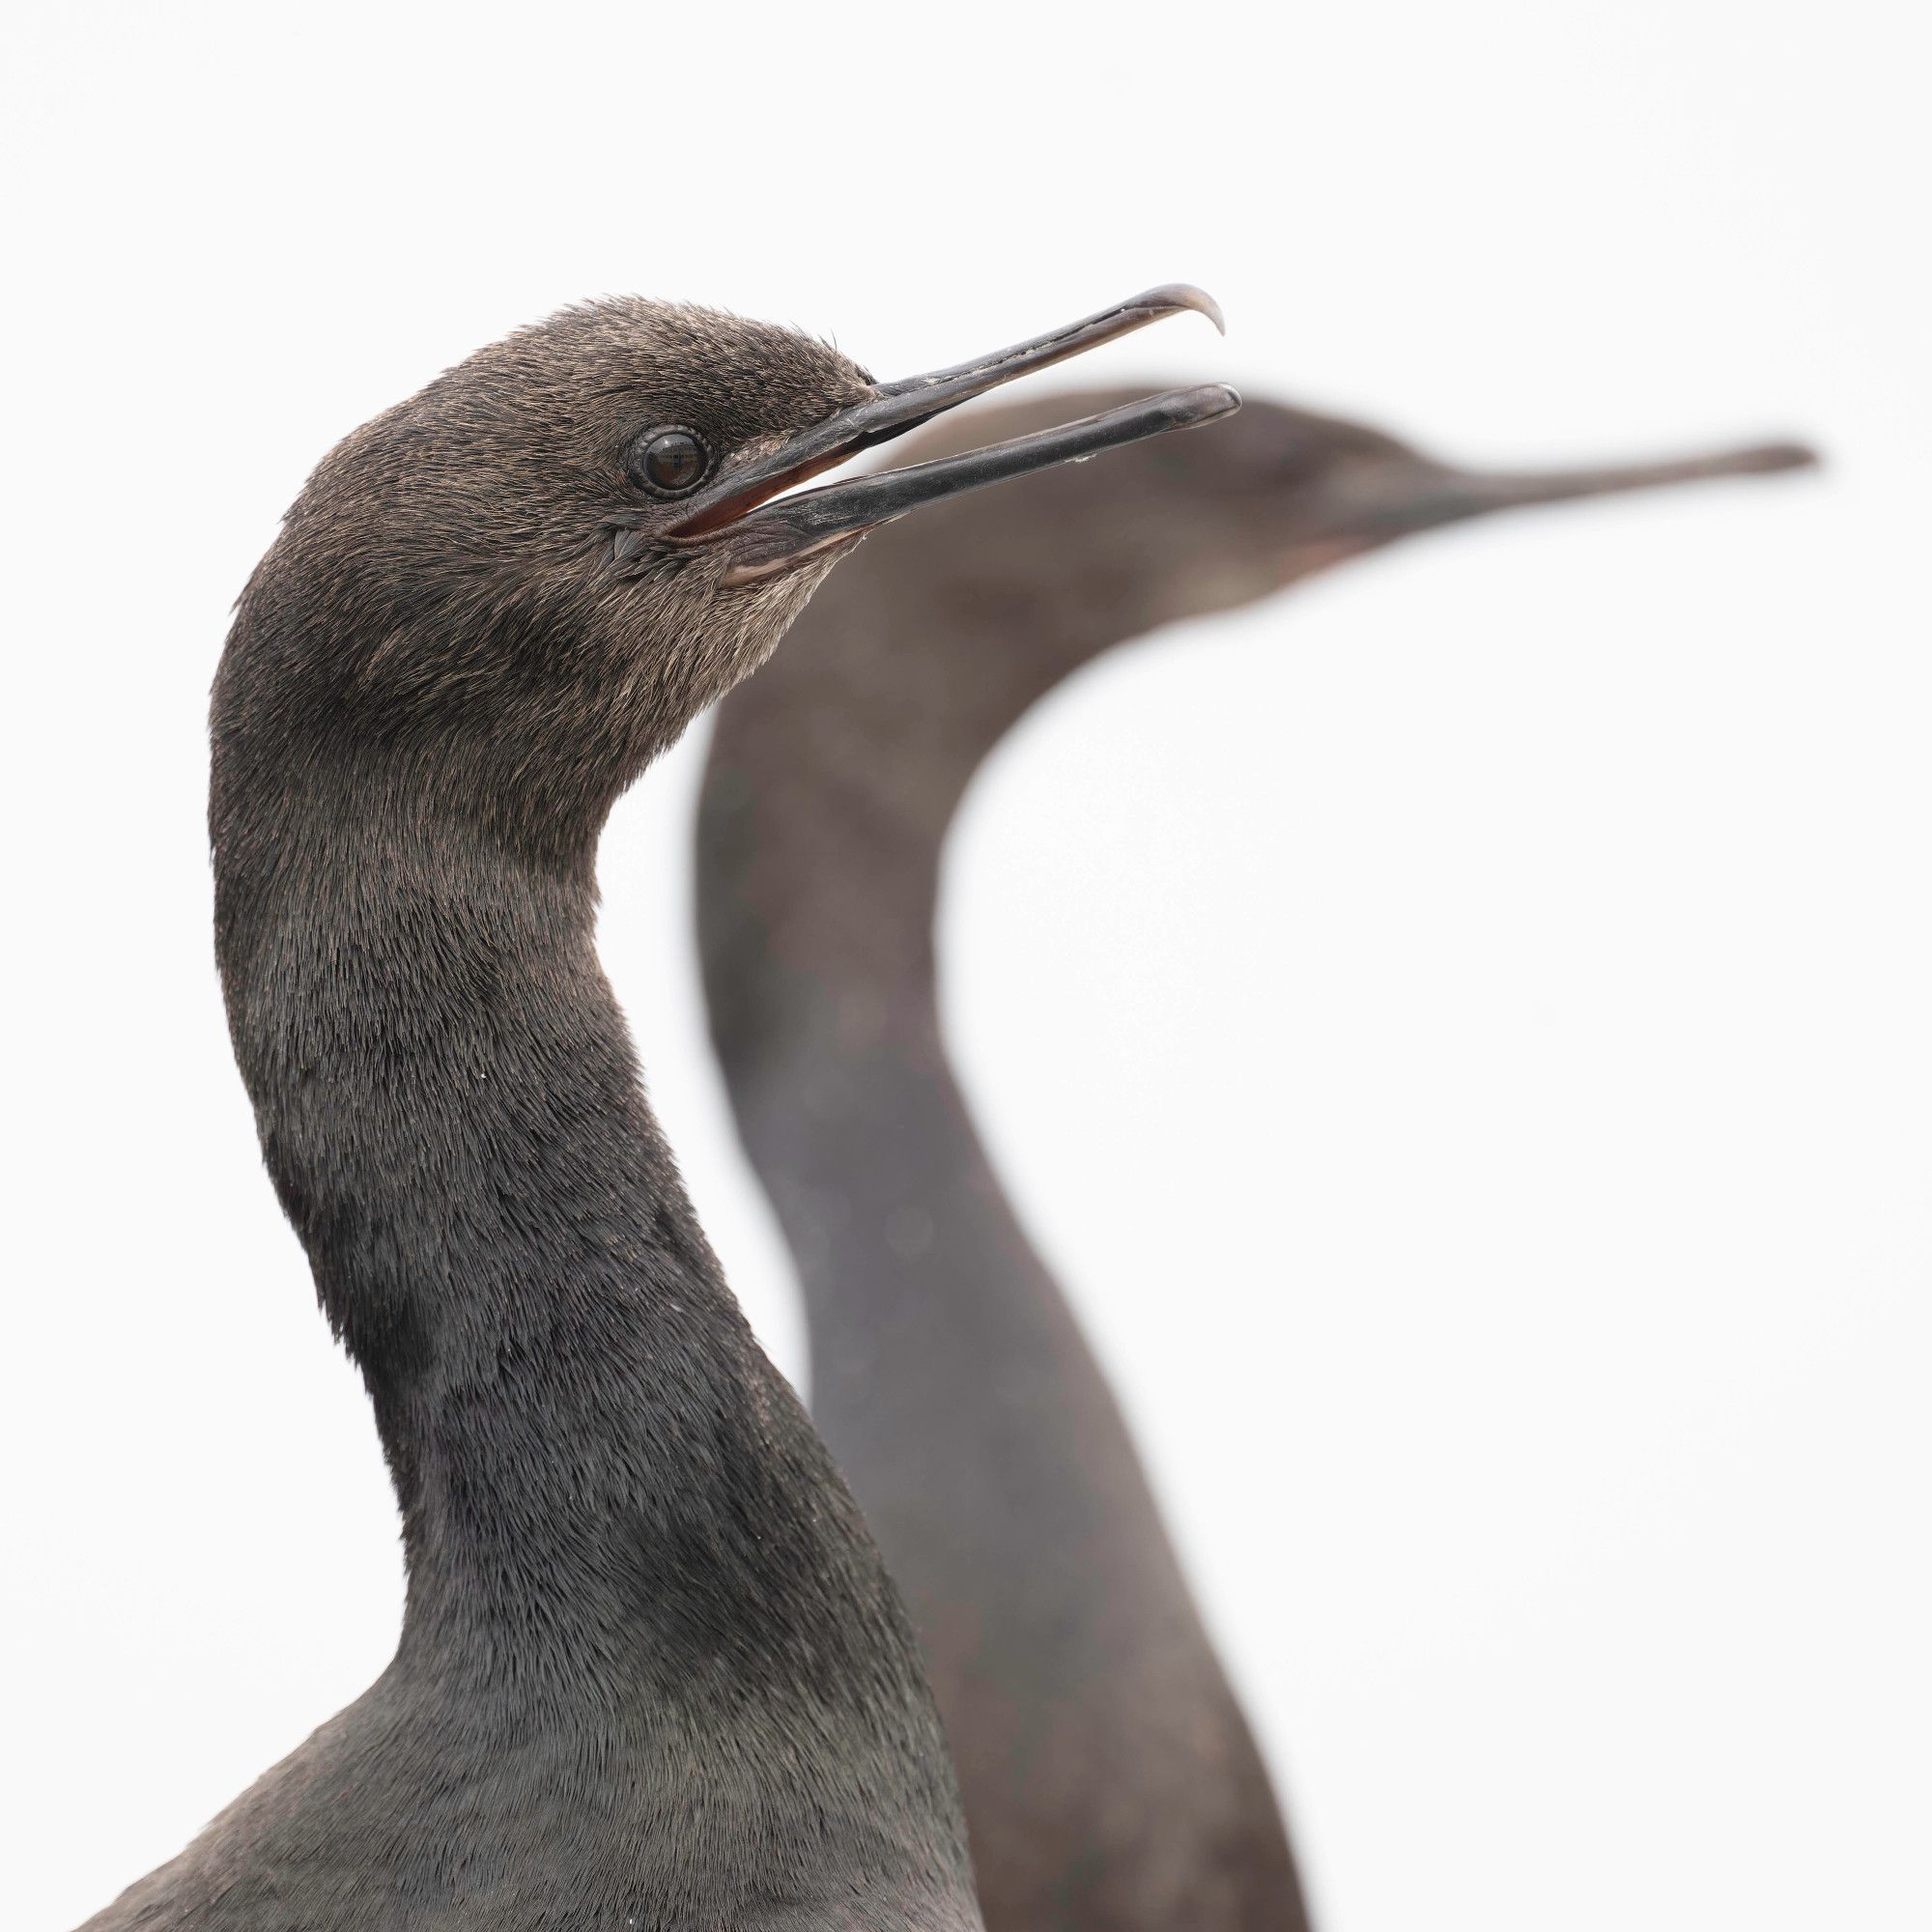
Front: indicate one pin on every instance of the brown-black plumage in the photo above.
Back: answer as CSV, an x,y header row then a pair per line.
x,y
651,1673
1109,1778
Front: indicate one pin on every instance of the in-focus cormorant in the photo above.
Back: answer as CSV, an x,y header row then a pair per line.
x,y
651,1674
1110,1781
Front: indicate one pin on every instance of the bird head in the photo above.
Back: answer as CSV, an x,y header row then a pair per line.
x,y
1188,526
516,587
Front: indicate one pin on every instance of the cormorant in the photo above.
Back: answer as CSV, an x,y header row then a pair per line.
x,y
651,1673
1109,1778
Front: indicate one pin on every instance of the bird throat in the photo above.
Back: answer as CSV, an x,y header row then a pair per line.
x,y
601,1478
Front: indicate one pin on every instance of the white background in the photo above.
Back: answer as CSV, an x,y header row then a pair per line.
x,y
1462,1032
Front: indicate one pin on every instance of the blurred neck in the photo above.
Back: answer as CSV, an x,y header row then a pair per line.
x,y
833,779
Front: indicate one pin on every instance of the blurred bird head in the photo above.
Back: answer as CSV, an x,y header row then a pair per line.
x,y
1192,525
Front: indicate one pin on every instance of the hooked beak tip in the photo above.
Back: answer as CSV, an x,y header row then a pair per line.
x,y
1184,295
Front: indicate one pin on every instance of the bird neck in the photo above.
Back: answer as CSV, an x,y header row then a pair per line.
x,y
832,781
816,923
600,1473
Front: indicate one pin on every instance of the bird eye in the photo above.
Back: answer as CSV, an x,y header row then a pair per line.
x,y
668,462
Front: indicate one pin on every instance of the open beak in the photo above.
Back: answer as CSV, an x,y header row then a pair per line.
x,y
767,538
1422,495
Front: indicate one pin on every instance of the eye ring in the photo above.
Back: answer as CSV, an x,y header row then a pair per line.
x,y
668,462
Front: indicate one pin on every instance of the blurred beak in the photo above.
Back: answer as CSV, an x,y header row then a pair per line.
x,y
1392,501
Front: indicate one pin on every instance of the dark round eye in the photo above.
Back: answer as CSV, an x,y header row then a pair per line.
x,y
668,462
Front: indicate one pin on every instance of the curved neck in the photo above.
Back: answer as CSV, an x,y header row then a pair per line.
x,y
830,787
598,1472
1109,1780
832,781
